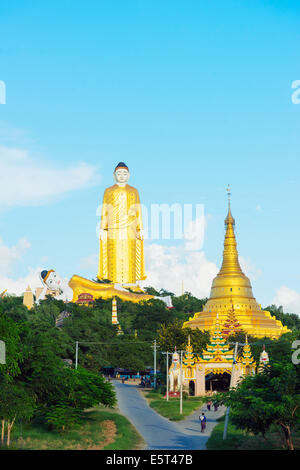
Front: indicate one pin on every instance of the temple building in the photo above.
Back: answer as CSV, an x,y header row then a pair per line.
x,y
231,297
212,369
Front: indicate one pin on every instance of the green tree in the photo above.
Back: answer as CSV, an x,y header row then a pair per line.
x,y
172,334
268,398
63,415
86,390
10,334
91,389
15,403
291,320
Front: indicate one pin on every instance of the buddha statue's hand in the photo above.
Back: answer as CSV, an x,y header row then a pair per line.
x,y
103,234
140,235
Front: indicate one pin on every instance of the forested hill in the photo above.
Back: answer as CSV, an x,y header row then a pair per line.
x,y
99,344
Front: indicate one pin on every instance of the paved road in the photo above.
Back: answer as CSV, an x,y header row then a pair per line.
x,y
159,432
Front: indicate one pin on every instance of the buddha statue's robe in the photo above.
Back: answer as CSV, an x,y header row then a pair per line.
x,y
121,248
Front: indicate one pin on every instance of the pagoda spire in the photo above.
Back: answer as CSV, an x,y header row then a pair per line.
x,y
189,358
230,263
114,316
247,360
231,324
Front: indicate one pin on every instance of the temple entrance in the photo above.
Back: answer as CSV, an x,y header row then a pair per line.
x,y
217,382
191,388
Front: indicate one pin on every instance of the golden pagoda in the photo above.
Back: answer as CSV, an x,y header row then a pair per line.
x,y
28,299
231,290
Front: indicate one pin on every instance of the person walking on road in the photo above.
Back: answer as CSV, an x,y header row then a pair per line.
x,y
203,422
209,403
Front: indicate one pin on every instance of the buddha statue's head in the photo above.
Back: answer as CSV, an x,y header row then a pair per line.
x,y
51,279
121,174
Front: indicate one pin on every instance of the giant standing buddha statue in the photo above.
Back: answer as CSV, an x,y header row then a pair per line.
x,y
121,260
121,241
231,292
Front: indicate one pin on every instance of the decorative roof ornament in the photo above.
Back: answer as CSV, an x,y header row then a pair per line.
x,y
231,325
217,350
230,264
189,357
229,219
263,359
114,316
247,359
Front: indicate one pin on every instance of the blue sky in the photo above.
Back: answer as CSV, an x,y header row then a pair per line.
x,y
191,95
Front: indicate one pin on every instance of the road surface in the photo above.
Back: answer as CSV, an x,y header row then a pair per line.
x,y
157,431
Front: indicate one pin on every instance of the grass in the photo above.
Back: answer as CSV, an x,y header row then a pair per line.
x,y
101,429
240,440
170,409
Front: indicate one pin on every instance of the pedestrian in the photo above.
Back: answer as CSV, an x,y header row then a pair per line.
x,y
209,405
216,406
203,422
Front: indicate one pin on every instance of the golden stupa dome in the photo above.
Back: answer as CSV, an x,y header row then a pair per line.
x,y
231,290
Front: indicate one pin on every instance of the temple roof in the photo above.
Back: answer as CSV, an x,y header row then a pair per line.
x,y
231,324
217,350
246,359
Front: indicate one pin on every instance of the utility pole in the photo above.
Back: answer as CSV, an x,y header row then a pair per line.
x,y
181,380
76,355
167,372
230,386
154,350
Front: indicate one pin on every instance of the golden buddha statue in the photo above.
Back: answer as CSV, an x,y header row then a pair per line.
x,y
121,258
231,291
121,262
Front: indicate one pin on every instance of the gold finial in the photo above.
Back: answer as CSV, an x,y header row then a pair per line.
x,y
229,219
228,189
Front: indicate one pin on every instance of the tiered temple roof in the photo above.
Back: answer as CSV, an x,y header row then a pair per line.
x,y
217,350
189,357
246,358
231,324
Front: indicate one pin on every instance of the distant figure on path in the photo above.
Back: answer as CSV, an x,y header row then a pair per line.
x,y
209,403
216,406
203,422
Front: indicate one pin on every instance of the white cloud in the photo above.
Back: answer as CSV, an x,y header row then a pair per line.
x,y
9,255
18,286
31,181
194,233
288,298
167,267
